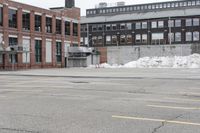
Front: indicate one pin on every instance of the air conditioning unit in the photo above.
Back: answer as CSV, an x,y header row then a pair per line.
x,y
16,48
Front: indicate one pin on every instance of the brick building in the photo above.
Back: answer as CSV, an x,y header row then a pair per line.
x,y
43,35
142,26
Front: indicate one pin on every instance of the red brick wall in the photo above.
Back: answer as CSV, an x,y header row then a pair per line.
x,y
103,54
73,14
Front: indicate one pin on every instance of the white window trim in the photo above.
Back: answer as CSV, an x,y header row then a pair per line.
x,y
38,38
26,37
38,13
49,40
59,18
13,8
14,36
58,40
26,11
49,16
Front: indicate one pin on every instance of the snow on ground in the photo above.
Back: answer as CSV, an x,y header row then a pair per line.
x,y
192,61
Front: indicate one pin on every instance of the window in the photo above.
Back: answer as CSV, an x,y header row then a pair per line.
x,y
144,25
138,38
196,36
13,42
160,24
129,26
48,25
12,18
100,27
144,38
75,29
178,36
188,22
114,39
157,38
1,58
1,16
114,26
38,51
138,25
94,27
81,40
67,28
26,21
177,23
154,24
58,26
83,28
108,39
129,39
122,26
196,22
38,23
94,40
171,23
58,52
100,40
122,39
188,36
108,28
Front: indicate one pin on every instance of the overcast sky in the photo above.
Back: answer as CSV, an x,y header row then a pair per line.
x,y
83,4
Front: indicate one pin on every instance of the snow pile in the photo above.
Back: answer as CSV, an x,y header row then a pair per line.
x,y
192,61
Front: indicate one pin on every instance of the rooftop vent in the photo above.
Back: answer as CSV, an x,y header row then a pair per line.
x,y
121,3
103,5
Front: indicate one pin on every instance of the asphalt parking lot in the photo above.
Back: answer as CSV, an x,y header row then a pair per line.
x,y
100,101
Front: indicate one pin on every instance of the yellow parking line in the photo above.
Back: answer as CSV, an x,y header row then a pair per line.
x,y
190,93
156,120
184,99
174,107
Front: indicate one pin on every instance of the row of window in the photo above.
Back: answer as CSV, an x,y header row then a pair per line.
x,y
13,41
142,25
156,38
144,7
12,21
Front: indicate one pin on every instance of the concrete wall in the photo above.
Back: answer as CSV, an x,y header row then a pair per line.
x,y
125,54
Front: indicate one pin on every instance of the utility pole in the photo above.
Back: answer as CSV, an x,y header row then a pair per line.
x,y
170,31
88,34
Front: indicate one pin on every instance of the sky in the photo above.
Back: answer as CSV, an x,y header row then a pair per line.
x,y
83,4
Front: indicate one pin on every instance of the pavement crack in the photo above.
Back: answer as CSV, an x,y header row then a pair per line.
x,y
157,128
164,122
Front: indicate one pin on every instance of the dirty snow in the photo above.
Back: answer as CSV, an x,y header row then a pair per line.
x,y
192,61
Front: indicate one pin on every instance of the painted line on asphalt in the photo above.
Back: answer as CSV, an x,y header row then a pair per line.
x,y
190,93
155,120
183,99
174,107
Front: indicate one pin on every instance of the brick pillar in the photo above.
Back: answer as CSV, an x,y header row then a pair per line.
x,y
43,39
54,40
5,33
63,53
19,28
79,33
32,41
71,33
63,27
